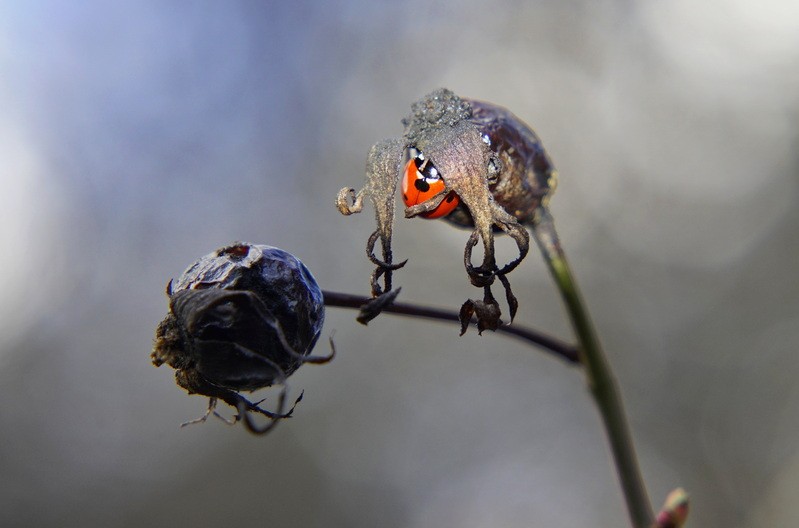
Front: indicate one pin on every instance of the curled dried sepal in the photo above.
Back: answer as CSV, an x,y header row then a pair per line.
x,y
196,384
373,308
383,167
481,277
487,312
513,302
343,199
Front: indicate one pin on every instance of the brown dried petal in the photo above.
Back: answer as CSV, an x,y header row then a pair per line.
x,y
373,308
487,312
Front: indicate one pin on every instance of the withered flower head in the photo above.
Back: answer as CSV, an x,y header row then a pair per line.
x,y
242,318
473,163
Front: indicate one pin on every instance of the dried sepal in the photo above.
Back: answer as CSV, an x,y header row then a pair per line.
x,y
462,158
195,383
487,312
516,231
373,308
348,202
481,277
489,159
370,253
466,164
428,205
513,302
382,174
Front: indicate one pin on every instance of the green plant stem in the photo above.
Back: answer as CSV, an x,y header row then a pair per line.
x,y
599,376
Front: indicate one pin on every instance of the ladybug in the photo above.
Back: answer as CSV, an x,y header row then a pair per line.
x,y
421,181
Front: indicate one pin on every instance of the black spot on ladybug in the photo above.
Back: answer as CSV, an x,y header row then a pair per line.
x,y
450,197
421,185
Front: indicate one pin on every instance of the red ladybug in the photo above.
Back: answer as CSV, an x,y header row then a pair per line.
x,y
421,181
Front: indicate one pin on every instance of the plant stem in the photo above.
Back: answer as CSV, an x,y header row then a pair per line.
x,y
551,344
600,378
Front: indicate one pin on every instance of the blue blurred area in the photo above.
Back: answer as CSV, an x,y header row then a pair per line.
x,y
135,137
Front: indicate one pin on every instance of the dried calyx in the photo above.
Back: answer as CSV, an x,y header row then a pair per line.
x,y
490,160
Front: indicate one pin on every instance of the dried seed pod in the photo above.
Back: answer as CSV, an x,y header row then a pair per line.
x,y
242,318
521,175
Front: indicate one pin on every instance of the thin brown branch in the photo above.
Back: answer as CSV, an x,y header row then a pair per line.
x,y
550,344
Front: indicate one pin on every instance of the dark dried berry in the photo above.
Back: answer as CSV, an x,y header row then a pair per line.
x,y
242,318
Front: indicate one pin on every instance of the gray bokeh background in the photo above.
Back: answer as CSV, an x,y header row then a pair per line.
x,y
138,136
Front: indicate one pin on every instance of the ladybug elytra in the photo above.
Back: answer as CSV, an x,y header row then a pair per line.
x,y
421,181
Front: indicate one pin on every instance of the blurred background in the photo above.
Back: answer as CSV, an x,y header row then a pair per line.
x,y
136,137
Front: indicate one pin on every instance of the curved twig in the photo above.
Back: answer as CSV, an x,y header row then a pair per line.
x,y
553,345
